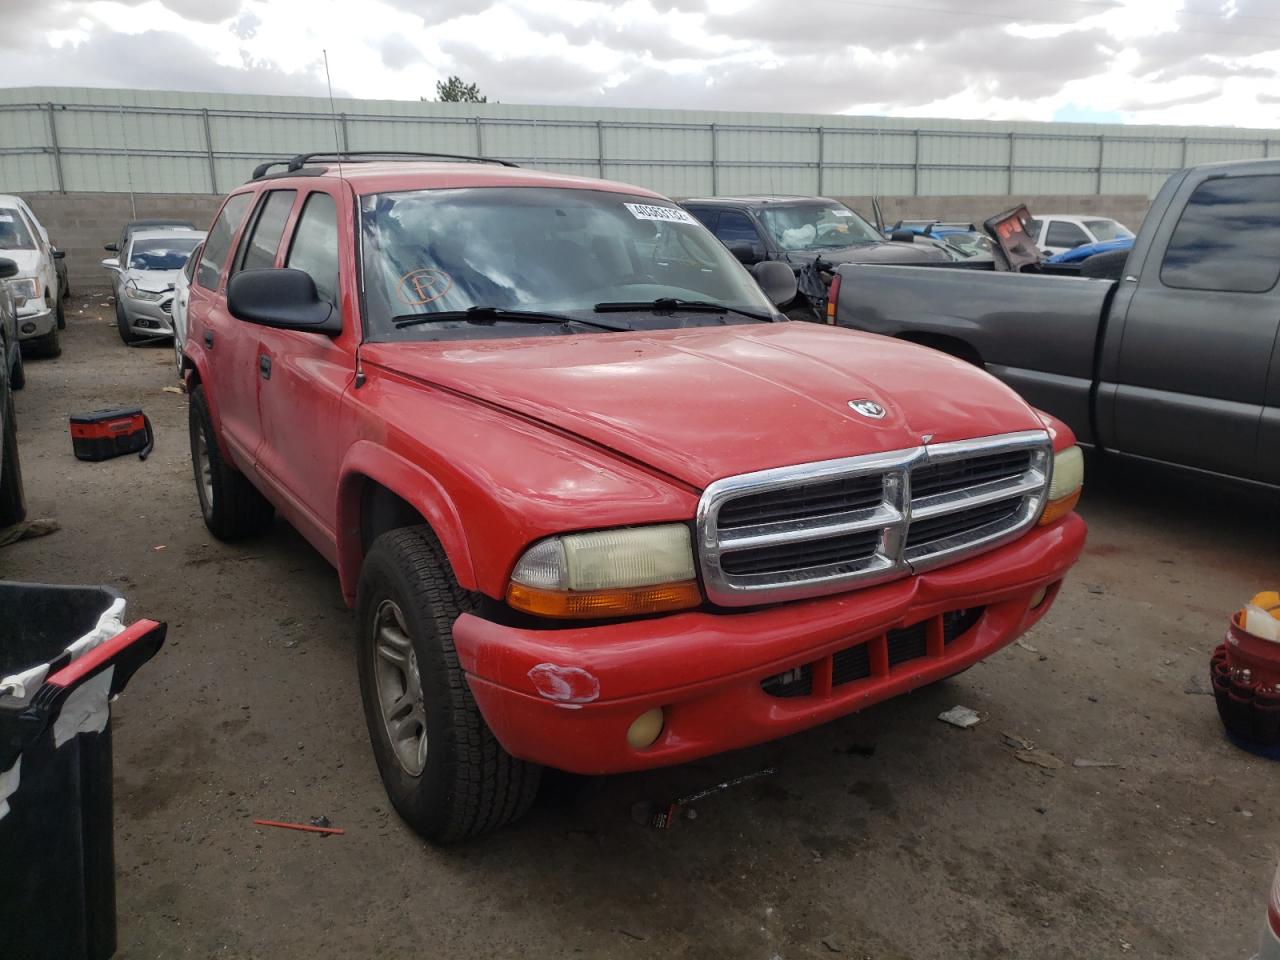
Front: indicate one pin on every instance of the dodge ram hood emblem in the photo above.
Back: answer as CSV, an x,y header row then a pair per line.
x,y
868,408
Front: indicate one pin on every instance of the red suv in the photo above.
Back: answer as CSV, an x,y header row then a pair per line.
x,y
597,504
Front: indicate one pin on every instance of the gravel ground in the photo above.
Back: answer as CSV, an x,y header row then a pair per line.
x,y
884,835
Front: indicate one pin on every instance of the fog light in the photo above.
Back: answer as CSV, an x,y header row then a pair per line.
x,y
1039,597
645,729
28,328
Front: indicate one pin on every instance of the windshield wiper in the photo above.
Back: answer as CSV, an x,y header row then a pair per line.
x,y
671,304
486,316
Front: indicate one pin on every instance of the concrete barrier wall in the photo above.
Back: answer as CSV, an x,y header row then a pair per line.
x,y
80,223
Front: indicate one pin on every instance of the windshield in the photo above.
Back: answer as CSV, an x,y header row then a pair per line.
x,y
969,244
1108,230
817,226
170,253
14,234
535,249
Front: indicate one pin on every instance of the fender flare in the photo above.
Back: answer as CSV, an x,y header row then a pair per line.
x,y
199,366
366,460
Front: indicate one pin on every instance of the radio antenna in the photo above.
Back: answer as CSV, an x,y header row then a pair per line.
x,y
333,112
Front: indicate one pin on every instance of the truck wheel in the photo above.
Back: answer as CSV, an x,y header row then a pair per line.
x,y
18,375
13,500
232,506
442,767
122,325
61,315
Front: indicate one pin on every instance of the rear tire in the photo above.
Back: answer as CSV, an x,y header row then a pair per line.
x,y
231,506
18,375
445,773
122,325
61,315
13,499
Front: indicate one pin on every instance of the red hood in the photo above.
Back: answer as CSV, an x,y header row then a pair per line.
x,y
711,402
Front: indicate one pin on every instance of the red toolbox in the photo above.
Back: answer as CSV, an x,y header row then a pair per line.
x,y
111,432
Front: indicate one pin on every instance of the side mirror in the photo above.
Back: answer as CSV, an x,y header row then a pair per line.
x,y
7,269
111,247
57,254
111,263
281,298
777,280
746,252
903,236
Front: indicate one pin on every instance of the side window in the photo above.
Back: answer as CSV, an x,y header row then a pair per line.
x,y
736,227
189,270
262,240
1033,229
1228,237
1064,234
706,215
314,248
218,244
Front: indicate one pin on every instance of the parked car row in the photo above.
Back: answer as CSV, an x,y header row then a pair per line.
x,y
150,258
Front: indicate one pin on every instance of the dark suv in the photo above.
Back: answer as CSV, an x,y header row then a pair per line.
x,y
804,231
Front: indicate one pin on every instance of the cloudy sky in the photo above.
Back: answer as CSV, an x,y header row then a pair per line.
x,y
1138,61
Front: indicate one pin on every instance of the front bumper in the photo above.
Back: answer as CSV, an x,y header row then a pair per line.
x,y
37,324
149,318
705,669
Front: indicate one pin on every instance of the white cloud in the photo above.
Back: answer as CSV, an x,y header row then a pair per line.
x,y
1194,61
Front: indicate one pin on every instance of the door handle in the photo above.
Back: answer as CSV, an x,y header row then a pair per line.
x,y
264,366
208,339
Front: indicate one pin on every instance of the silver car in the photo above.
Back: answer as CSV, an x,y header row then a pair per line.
x,y
143,278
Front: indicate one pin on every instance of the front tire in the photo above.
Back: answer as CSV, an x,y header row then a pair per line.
x,y
122,325
232,506
13,500
61,315
18,375
444,771
50,345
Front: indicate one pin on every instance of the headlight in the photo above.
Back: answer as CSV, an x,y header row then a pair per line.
x,y
133,290
1064,488
608,573
24,289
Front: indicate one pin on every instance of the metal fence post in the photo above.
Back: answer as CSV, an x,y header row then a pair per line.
x,y
479,137
1102,152
1009,171
915,166
715,179
1183,162
600,148
57,153
346,140
821,156
208,149
1266,148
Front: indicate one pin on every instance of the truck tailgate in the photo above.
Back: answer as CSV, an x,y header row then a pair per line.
x,y
1036,333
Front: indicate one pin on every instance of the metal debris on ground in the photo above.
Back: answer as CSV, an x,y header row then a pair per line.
x,y
306,827
1037,758
962,717
663,816
28,530
1082,762
177,390
1096,588
1026,646
631,936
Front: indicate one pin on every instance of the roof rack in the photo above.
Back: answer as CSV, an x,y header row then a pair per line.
x,y
294,164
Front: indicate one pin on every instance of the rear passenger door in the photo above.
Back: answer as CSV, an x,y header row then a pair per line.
x,y
304,375
211,331
1200,330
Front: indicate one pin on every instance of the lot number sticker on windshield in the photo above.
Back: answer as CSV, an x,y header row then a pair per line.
x,y
649,211
842,213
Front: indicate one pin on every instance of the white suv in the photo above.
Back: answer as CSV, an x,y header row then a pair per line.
x,y
36,289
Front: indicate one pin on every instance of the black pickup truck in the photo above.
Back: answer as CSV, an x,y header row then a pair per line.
x,y
1178,361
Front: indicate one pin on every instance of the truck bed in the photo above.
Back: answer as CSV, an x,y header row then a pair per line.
x,y
1037,333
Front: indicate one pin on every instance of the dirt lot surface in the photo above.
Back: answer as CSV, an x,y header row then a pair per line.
x,y
885,835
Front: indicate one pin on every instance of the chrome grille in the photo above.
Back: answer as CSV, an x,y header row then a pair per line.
x,y
818,528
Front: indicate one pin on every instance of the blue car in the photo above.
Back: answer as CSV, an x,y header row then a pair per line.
x,y
1087,250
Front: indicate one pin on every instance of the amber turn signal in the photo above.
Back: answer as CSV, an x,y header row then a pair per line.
x,y
1057,509
615,602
